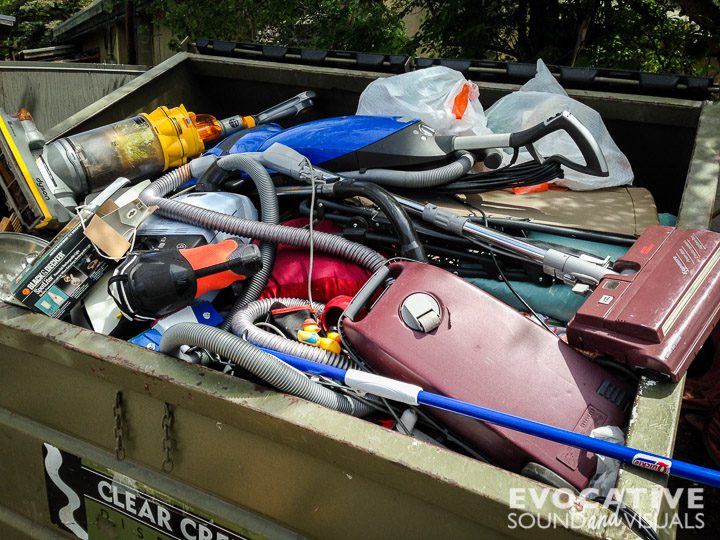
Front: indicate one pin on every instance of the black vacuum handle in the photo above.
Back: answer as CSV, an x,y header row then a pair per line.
x,y
287,109
595,163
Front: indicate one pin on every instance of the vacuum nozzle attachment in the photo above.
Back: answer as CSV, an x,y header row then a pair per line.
x,y
286,109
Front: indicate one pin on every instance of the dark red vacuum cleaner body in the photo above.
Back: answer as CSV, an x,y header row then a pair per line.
x,y
657,313
459,341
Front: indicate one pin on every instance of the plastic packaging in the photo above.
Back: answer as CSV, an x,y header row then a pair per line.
x,y
607,468
439,96
542,97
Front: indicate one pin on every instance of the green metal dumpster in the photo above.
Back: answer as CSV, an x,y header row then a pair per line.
x,y
49,89
103,439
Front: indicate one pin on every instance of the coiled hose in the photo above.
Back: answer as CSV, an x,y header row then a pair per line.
x,y
327,243
269,213
243,325
417,179
265,366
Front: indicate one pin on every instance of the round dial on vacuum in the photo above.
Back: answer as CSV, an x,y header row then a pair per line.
x,y
421,312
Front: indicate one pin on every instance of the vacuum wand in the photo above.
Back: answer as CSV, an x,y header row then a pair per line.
x,y
582,272
415,395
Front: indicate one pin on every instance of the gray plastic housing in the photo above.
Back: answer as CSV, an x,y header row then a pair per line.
x,y
232,204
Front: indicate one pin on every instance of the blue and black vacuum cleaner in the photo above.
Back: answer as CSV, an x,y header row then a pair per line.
x,y
377,148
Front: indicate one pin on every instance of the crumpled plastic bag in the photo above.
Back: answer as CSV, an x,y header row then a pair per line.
x,y
439,96
539,99
607,469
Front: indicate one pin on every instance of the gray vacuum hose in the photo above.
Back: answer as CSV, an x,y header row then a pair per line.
x,y
243,325
417,179
269,213
265,366
327,243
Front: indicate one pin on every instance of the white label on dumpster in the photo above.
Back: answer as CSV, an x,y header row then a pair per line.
x,y
93,503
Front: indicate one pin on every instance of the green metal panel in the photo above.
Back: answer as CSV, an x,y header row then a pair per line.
x,y
700,197
306,468
274,465
53,91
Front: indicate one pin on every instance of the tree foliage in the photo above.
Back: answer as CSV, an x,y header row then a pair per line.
x,y
35,20
652,35
365,25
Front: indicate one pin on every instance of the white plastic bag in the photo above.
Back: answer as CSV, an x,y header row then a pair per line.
x,y
439,96
543,97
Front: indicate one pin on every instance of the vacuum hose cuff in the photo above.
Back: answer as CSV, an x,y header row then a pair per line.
x,y
417,179
265,366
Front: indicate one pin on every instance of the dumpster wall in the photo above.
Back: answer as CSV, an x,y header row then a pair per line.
x,y
656,134
53,91
277,459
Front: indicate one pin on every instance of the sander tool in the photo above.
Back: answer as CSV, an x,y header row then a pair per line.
x,y
149,285
43,182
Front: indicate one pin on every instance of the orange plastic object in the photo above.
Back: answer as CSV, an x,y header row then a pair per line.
x,y
537,188
207,126
209,255
461,102
23,114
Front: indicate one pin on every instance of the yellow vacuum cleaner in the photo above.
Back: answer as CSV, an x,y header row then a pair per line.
x,y
43,182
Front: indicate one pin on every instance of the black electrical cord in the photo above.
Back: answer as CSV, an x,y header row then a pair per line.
x,y
510,176
374,216
579,234
410,245
475,265
497,222
436,242
509,285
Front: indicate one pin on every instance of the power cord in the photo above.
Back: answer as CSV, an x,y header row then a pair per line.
x,y
630,517
507,282
311,230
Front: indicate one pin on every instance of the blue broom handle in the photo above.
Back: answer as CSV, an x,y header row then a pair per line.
x,y
389,388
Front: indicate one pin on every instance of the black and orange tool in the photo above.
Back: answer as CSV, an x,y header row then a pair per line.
x,y
152,284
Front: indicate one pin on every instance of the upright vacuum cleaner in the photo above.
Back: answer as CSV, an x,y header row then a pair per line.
x,y
652,309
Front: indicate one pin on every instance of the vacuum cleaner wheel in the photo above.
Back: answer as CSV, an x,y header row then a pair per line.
x,y
546,476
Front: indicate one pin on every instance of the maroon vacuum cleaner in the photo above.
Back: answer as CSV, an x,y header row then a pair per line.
x,y
431,328
659,306
652,309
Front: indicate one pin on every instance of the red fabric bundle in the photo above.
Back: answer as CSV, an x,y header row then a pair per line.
x,y
331,277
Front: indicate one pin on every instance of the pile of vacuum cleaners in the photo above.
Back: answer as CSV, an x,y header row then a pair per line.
x,y
314,259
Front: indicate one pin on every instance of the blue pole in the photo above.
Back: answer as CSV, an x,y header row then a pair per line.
x,y
622,453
